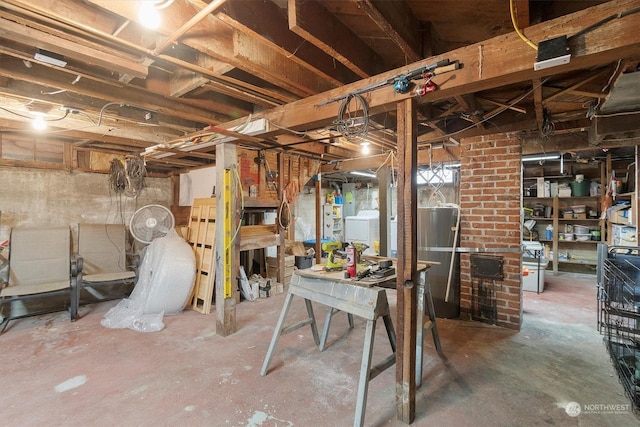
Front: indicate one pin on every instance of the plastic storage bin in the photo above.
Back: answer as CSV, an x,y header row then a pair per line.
x,y
533,274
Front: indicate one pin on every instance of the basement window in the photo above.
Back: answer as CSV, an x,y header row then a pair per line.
x,y
441,176
29,149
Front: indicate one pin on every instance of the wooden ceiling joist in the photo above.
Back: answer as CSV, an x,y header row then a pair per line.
x,y
311,21
498,69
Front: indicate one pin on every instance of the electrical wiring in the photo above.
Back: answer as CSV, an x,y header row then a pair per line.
x,y
500,111
348,124
120,104
117,176
135,173
515,26
295,132
25,116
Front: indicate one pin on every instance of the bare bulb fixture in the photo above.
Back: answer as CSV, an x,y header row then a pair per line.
x,y
38,122
365,148
148,15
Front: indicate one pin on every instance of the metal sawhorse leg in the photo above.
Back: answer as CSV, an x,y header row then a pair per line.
x,y
425,304
327,323
369,303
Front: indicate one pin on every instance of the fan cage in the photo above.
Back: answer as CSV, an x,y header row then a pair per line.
x,y
150,222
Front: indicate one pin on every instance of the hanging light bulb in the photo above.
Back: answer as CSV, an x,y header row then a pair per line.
x,y
148,15
365,147
38,122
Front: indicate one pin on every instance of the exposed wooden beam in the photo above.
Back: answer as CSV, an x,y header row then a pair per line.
x,y
396,20
572,87
73,16
265,21
468,103
498,69
311,21
217,39
184,81
503,105
538,102
129,94
42,40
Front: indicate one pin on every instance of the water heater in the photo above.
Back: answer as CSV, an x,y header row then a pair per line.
x,y
436,234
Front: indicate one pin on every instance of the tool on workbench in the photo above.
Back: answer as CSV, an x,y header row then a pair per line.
x,y
360,248
331,248
364,273
385,268
351,260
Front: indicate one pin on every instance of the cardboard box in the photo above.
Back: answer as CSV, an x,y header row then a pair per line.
x,y
620,214
272,272
289,261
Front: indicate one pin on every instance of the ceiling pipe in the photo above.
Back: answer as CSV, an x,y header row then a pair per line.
x,y
206,11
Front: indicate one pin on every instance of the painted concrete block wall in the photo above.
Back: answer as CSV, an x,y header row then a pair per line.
x,y
490,194
36,197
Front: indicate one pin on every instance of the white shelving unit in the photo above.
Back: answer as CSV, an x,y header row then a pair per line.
x,y
332,220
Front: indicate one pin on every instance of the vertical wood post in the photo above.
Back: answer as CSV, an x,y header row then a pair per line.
x,y
406,284
226,158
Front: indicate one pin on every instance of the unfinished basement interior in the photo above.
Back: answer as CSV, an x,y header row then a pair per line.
x,y
319,213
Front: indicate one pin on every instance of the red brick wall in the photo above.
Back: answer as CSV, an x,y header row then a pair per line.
x,y
490,200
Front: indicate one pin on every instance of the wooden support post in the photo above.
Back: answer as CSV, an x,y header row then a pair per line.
x,y
226,158
406,284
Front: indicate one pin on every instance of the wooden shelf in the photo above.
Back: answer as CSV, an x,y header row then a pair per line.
x,y
584,242
584,251
579,220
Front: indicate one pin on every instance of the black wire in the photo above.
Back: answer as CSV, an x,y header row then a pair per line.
x,y
24,116
117,176
345,122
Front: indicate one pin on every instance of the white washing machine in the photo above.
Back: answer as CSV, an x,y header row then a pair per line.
x,y
363,228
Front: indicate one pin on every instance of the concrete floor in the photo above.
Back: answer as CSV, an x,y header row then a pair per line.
x,y
57,373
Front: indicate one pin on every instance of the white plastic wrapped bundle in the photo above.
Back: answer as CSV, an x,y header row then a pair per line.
x,y
165,281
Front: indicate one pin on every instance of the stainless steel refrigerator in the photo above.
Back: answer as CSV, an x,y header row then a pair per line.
x,y
436,234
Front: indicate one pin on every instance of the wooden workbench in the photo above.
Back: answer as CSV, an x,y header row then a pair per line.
x,y
365,298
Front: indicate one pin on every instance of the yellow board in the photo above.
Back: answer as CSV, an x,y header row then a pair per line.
x,y
226,270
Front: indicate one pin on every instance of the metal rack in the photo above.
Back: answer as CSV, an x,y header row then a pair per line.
x,y
485,271
619,314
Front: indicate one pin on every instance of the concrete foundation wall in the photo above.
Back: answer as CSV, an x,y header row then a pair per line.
x,y
33,197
